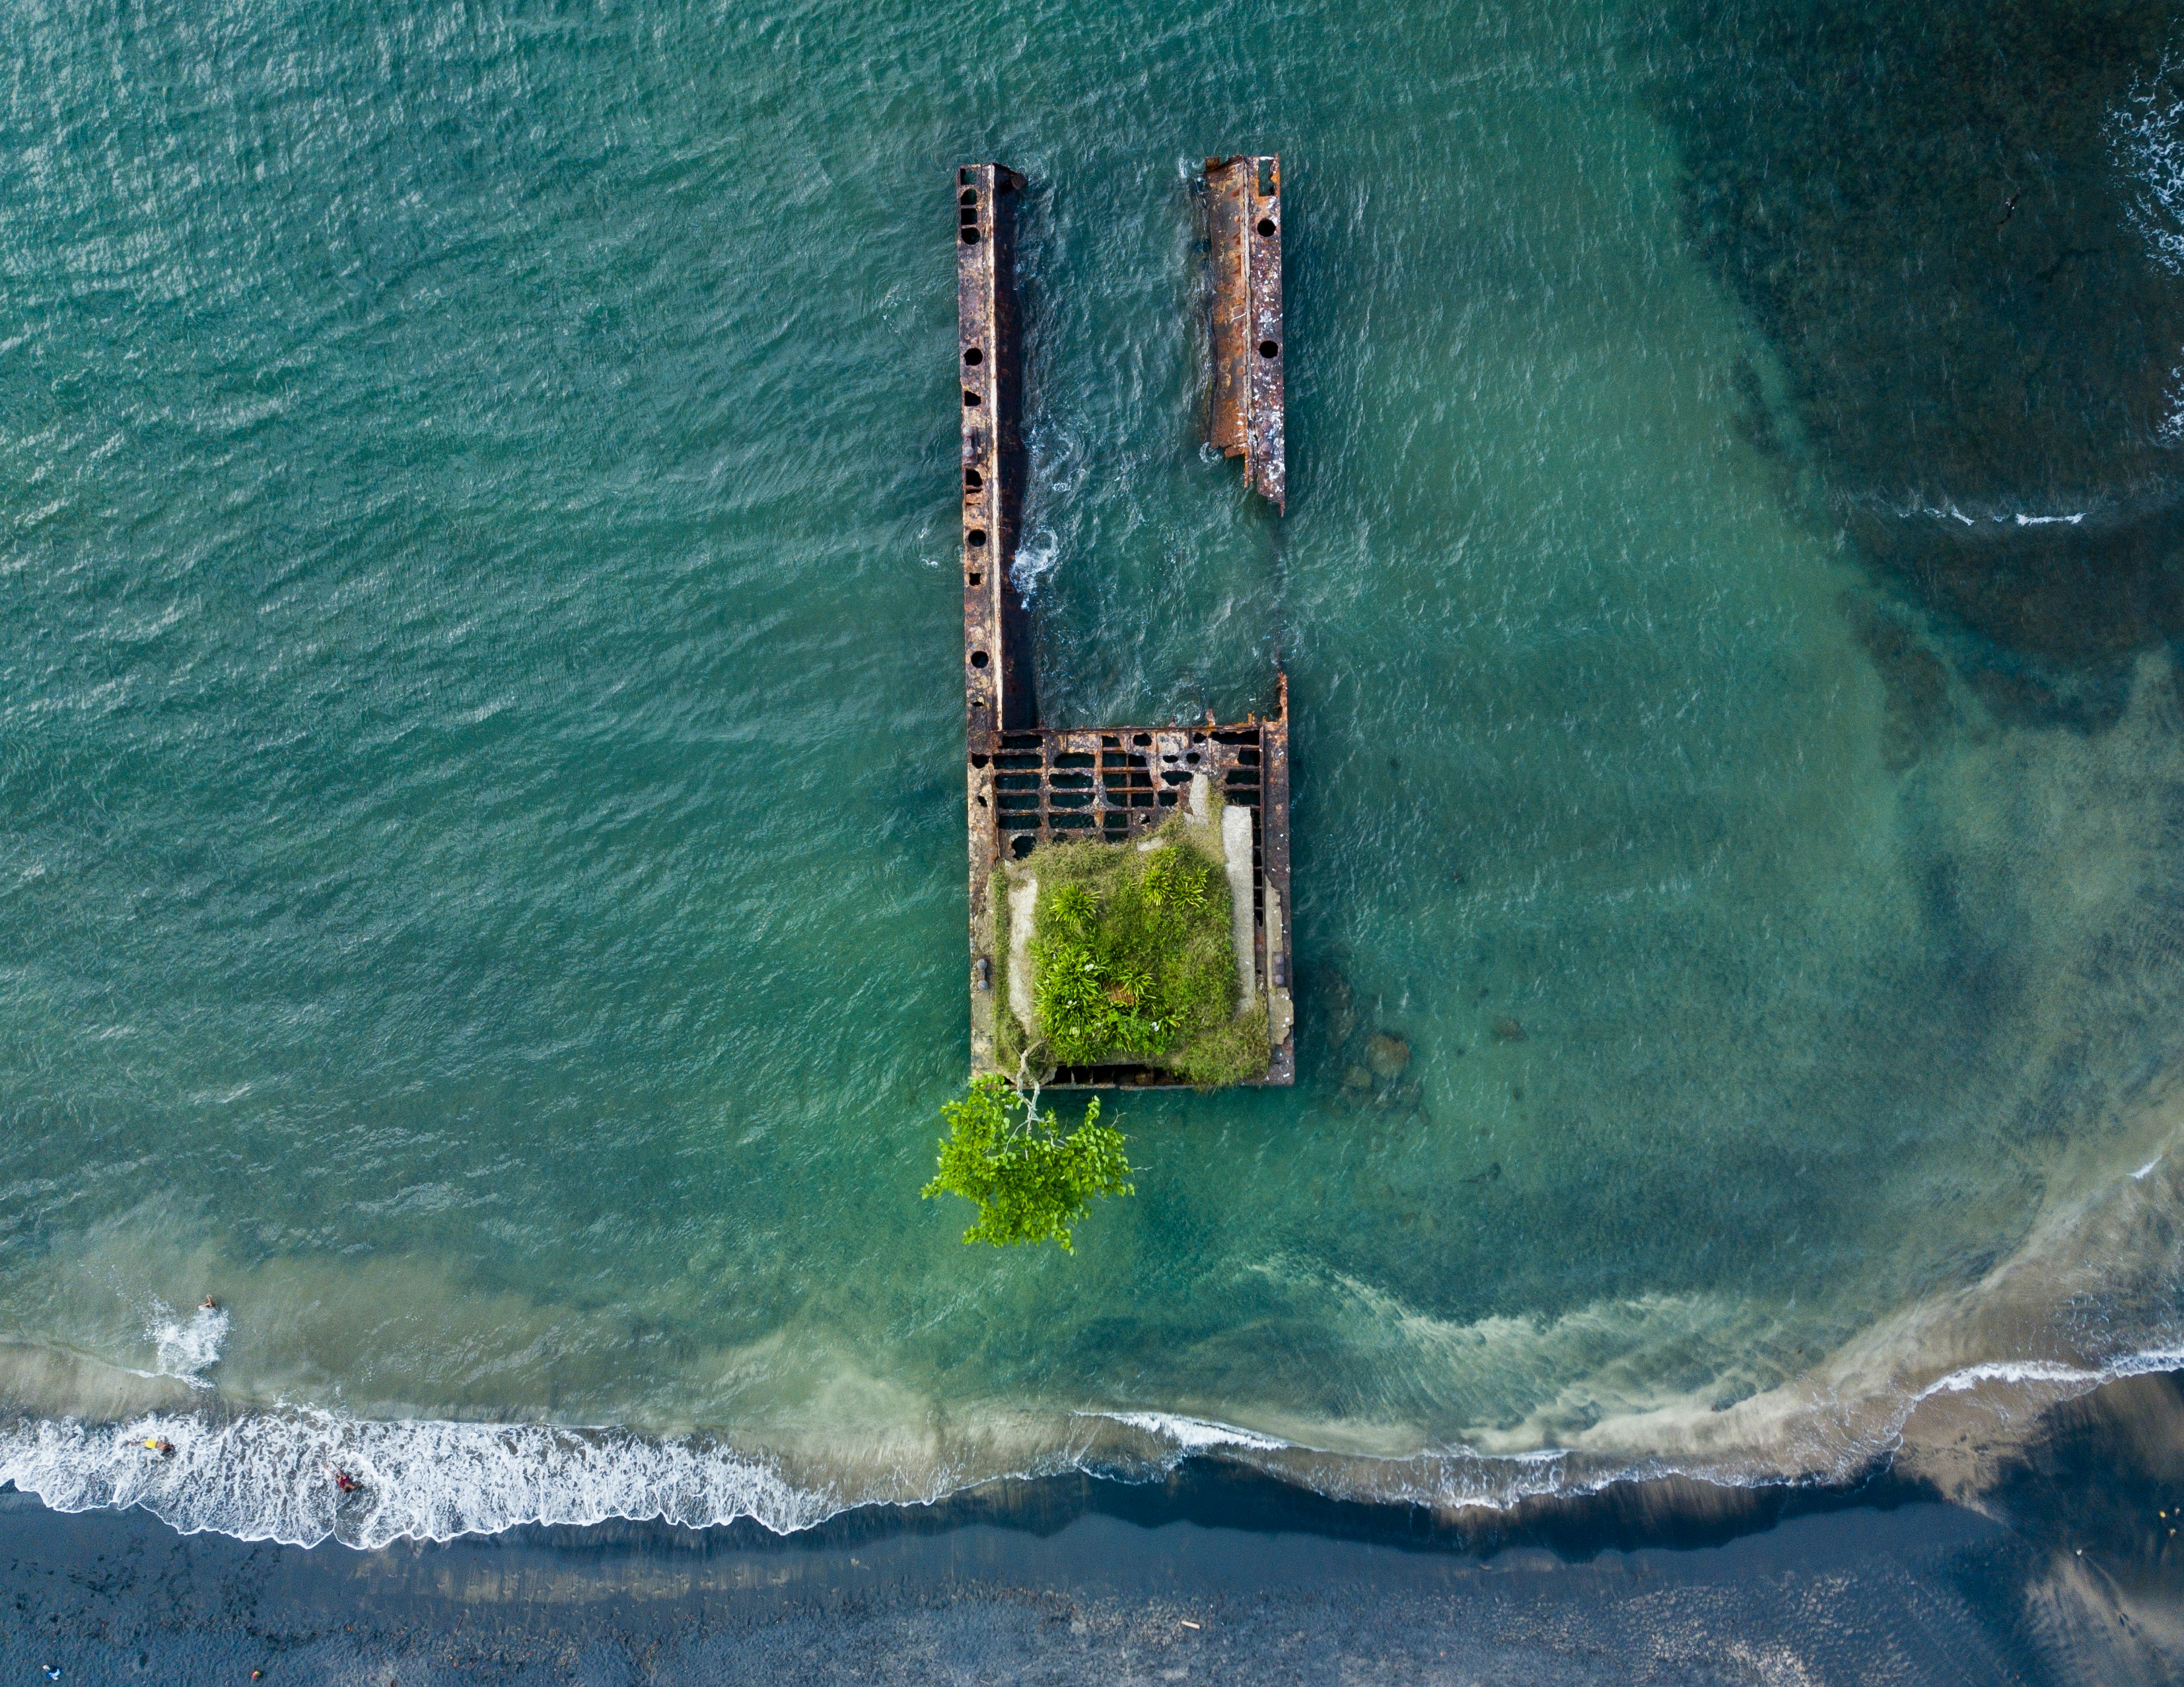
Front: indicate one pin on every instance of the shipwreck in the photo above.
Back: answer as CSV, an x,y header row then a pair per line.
x,y
1032,786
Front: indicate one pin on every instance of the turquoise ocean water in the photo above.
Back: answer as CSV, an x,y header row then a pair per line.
x,y
482,889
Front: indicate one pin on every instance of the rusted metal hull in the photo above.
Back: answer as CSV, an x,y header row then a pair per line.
x,y
1027,784
997,690
1057,784
1244,265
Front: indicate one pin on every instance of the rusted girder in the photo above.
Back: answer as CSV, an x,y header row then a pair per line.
x,y
997,690
1244,260
997,673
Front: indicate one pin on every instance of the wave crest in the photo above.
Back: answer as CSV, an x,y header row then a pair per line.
x,y
270,1475
187,1347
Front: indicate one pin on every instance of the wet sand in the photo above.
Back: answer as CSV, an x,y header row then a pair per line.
x,y
2064,1570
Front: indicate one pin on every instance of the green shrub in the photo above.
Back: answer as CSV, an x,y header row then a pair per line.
x,y
1030,1183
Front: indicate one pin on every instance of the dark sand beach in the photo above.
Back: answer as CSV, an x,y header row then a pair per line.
x,y
2063,1569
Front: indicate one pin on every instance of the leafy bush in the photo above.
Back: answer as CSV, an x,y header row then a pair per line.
x,y
1030,1183
1173,883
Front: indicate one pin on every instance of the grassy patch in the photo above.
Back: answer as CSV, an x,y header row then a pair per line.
x,y
1010,1037
1230,1053
1132,958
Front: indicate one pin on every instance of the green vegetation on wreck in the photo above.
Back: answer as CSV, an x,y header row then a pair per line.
x,y
1132,960
1031,1183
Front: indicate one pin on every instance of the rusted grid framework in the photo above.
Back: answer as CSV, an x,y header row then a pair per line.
x,y
1028,784
1054,785
1244,260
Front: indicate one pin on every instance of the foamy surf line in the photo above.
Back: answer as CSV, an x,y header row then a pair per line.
x,y
2149,131
271,1475
2053,1373
1458,1478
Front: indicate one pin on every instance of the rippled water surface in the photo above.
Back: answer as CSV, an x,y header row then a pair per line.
x,y
482,888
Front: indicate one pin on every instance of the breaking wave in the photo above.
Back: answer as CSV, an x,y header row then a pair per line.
x,y
1949,510
187,1347
2149,130
270,1475
1192,1434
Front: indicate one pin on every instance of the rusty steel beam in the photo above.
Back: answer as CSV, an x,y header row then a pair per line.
x,y
1244,260
997,671
1277,928
997,692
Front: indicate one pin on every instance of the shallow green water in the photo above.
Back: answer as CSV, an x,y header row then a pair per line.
x,y
480,884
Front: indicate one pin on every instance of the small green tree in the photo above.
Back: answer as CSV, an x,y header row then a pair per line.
x,y
1030,1182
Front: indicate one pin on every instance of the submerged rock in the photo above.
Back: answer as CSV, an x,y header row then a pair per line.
x,y
1387,1054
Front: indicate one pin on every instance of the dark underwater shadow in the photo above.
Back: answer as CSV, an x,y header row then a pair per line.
x,y
1942,219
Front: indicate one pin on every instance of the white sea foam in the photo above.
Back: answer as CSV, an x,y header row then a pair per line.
x,y
270,1475
187,1347
1950,511
1036,559
2148,132
1191,1434
2019,1371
